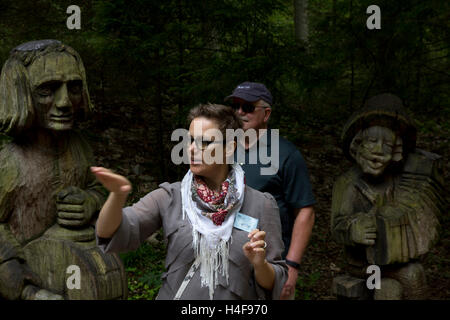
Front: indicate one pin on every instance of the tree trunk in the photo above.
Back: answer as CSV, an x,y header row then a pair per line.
x,y
301,20
160,136
352,61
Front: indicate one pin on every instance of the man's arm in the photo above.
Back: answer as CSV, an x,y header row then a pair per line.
x,y
301,233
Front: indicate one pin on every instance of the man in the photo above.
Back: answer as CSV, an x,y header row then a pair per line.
x,y
289,185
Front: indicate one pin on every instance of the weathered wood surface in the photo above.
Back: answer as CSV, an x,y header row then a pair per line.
x,y
101,274
48,196
385,209
347,287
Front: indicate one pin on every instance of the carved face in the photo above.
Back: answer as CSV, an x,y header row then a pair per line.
x,y
57,91
375,150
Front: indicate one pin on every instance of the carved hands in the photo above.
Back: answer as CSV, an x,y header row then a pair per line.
x,y
32,292
74,207
13,276
363,229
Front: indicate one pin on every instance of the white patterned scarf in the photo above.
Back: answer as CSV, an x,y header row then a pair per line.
x,y
211,241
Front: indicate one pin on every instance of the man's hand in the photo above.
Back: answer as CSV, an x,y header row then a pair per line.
x,y
301,233
74,207
364,229
289,287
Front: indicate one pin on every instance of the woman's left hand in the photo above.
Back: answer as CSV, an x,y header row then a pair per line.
x,y
255,250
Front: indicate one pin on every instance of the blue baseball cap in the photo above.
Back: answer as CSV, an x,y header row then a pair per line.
x,y
251,92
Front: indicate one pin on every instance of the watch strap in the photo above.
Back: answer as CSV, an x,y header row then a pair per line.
x,y
293,264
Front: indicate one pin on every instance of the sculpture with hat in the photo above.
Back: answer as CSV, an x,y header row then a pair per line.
x,y
48,196
385,209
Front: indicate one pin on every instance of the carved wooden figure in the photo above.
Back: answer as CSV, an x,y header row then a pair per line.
x,y
48,197
385,209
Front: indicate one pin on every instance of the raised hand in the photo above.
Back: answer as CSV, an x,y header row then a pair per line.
x,y
111,181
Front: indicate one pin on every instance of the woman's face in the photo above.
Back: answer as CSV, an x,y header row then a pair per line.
x,y
207,152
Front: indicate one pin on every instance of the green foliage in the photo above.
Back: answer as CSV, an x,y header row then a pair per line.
x,y
163,57
144,268
406,57
157,59
305,284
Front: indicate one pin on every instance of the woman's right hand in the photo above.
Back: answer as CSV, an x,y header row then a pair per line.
x,y
113,182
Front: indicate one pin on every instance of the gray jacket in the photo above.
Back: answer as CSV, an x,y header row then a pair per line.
x,y
162,208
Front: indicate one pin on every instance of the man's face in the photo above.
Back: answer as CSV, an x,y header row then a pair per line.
x,y
257,119
57,87
376,150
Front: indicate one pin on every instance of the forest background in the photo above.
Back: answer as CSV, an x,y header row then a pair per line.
x,y
149,62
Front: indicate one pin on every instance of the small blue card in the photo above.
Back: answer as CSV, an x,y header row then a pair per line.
x,y
245,222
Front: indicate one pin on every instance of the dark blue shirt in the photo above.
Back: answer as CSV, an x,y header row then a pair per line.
x,y
290,184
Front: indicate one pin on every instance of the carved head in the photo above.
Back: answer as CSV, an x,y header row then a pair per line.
x,y
42,85
379,134
375,148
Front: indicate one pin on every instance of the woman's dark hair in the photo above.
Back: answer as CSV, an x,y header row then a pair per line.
x,y
224,116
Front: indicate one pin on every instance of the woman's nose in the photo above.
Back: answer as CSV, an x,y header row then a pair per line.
x,y
192,147
194,151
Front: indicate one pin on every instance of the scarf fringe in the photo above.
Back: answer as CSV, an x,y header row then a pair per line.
x,y
213,261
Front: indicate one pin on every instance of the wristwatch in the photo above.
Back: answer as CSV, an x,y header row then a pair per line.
x,y
293,264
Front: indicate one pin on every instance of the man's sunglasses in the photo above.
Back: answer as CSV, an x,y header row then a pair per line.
x,y
247,107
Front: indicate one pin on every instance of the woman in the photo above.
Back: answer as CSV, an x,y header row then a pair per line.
x,y
207,258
